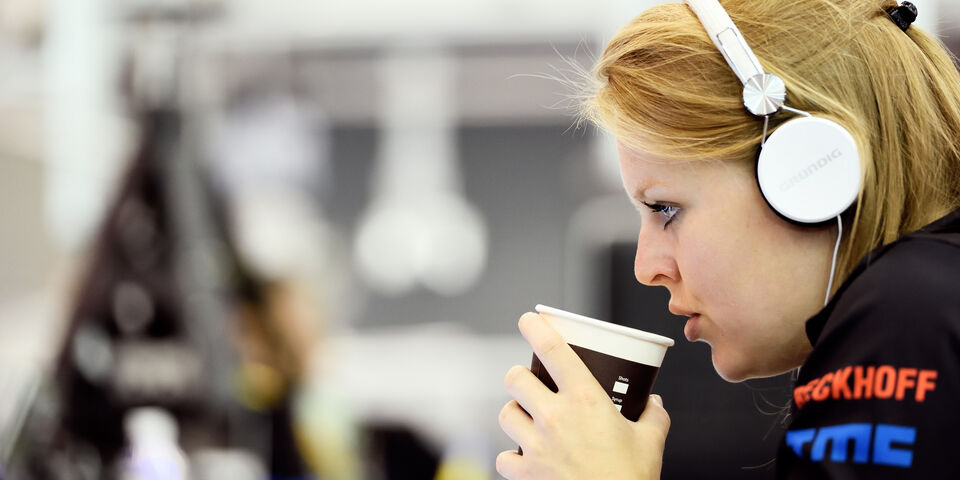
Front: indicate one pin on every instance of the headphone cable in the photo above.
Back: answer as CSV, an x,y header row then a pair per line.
x,y
833,262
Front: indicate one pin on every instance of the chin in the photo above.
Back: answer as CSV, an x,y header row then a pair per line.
x,y
736,369
730,369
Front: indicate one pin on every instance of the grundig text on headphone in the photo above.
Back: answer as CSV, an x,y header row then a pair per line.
x,y
809,168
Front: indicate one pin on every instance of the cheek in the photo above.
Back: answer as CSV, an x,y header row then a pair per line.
x,y
715,262
730,268
740,265
734,256
752,327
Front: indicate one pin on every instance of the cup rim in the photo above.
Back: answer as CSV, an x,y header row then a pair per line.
x,y
611,327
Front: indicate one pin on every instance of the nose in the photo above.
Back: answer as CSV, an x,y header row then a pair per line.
x,y
654,264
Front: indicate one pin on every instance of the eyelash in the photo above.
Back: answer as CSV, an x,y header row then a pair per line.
x,y
667,211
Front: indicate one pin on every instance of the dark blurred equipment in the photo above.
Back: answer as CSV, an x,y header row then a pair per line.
x,y
162,319
396,453
150,326
155,324
155,377
718,429
131,342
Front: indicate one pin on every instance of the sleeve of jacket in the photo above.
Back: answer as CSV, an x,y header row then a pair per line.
x,y
877,398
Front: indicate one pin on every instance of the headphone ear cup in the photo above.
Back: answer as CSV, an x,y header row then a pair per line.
x,y
809,170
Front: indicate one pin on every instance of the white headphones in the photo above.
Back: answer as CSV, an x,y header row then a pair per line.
x,y
809,168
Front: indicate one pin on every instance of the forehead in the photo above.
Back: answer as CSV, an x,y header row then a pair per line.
x,y
645,174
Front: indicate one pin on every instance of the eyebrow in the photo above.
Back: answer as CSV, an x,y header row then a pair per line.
x,y
640,192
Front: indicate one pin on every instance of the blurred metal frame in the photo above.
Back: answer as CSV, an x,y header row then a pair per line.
x,y
596,226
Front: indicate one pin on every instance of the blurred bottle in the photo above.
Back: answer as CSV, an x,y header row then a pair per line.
x,y
226,464
154,453
329,433
466,458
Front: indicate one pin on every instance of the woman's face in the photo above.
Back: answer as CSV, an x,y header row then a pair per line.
x,y
747,279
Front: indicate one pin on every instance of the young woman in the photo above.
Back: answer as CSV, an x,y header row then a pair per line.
x,y
880,359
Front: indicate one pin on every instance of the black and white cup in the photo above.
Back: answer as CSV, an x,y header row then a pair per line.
x,y
624,360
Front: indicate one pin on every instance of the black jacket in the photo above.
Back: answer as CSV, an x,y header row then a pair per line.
x,y
878,397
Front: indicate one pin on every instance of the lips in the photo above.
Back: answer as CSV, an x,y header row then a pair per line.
x,y
692,329
680,310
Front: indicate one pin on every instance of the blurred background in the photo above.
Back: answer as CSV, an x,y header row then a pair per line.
x,y
292,239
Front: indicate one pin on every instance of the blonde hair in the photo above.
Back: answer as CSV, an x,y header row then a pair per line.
x,y
662,86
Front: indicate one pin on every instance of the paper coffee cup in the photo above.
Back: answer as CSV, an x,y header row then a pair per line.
x,y
624,360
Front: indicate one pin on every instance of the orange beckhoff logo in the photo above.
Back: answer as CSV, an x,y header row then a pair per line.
x,y
864,382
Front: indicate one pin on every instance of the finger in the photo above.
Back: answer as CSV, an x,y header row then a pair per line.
x,y
527,389
509,464
655,418
517,424
563,364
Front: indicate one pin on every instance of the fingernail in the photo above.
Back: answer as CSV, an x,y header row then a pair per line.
x,y
656,398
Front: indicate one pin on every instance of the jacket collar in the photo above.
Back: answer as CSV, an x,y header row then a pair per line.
x,y
948,224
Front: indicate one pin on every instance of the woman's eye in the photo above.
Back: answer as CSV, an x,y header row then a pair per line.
x,y
666,211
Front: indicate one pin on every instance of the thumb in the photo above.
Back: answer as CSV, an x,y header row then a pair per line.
x,y
655,417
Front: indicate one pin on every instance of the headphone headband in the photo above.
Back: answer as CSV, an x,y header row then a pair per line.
x,y
727,37
763,93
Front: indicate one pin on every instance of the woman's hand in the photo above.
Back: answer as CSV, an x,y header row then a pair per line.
x,y
577,433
